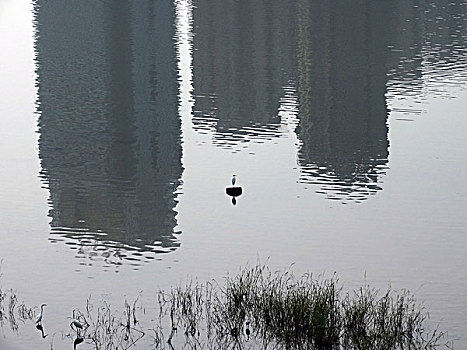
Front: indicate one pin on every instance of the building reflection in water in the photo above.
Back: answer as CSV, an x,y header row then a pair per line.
x,y
334,64
109,128
248,54
352,58
428,51
341,83
109,131
238,53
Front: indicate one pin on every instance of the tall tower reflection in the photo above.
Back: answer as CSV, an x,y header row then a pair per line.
x,y
341,80
238,52
109,129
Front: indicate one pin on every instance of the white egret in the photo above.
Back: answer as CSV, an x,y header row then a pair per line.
x,y
234,179
39,317
75,322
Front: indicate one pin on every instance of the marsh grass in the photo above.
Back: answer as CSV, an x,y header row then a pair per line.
x,y
106,328
12,311
103,327
261,309
254,309
392,321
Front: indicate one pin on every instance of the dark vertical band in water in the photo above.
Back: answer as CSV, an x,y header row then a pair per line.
x,y
121,113
237,75
109,128
341,81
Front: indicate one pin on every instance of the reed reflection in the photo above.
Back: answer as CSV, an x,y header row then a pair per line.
x,y
109,139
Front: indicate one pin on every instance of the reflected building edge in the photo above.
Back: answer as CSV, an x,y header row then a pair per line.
x,y
405,48
239,48
428,49
350,59
109,131
341,76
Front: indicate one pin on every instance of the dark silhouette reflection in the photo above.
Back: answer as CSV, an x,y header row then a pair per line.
x,y
238,50
350,56
428,49
109,129
40,328
77,341
234,192
341,81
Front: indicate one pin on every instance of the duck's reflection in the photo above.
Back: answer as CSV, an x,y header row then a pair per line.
x,y
109,130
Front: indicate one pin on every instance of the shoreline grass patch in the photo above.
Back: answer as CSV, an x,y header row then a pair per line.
x,y
254,309
261,309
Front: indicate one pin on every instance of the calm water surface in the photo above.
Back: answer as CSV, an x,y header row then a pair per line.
x,y
123,122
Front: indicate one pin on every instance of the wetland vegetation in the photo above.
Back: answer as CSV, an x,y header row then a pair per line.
x,y
254,309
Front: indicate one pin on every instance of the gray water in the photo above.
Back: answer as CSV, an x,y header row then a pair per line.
x,y
122,124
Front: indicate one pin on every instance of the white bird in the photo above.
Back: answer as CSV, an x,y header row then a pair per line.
x,y
75,322
234,178
39,317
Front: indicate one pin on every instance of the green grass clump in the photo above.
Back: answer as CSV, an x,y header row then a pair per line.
x,y
254,309
392,321
261,309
